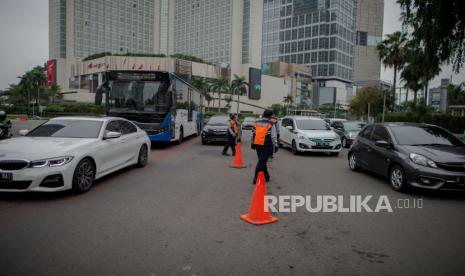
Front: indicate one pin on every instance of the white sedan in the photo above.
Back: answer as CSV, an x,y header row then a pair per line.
x,y
70,153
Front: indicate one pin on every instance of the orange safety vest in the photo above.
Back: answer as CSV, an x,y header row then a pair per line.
x,y
262,129
234,126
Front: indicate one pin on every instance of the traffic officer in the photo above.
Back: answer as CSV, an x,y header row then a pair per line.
x,y
264,141
274,122
232,134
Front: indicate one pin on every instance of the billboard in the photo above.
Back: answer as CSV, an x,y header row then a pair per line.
x,y
51,71
255,82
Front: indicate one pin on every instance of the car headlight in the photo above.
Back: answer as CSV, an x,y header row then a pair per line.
x,y
51,162
421,160
302,137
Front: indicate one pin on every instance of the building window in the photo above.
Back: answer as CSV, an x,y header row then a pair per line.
x,y
362,38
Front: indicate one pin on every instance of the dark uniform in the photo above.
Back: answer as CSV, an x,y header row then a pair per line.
x,y
264,141
232,134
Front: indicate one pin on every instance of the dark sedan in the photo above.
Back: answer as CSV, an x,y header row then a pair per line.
x,y
347,130
411,155
215,130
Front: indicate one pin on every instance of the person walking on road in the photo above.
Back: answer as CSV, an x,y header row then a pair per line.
x,y
232,134
264,141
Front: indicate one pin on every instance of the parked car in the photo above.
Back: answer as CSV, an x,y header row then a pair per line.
x,y
308,134
347,130
411,155
70,153
216,129
248,122
332,120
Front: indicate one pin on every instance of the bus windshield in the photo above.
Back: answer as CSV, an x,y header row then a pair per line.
x,y
139,96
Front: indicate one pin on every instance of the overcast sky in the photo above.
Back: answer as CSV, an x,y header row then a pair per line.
x,y
24,38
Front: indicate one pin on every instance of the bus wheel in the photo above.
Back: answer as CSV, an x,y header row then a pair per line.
x,y
181,136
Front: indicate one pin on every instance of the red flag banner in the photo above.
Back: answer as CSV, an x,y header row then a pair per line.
x,y
141,66
133,66
50,71
90,65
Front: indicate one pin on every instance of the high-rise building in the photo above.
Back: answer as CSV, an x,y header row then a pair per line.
x,y
219,31
78,28
367,66
316,33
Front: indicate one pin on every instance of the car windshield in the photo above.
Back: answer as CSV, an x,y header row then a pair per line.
x,y
424,136
218,120
67,129
353,126
139,96
304,124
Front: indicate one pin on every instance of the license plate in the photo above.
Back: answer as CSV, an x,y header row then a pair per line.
x,y
322,144
6,176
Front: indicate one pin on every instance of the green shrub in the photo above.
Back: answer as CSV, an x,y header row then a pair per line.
x,y
451,123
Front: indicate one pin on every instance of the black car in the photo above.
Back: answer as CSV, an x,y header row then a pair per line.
x,y
347,130
216,129
411,155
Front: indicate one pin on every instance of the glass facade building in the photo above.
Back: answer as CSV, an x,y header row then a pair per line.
x,y
317,33
84,27
203,28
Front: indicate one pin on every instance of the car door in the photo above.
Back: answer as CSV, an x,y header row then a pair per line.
x,y
131,140
380,157
112,151
284,132
363,149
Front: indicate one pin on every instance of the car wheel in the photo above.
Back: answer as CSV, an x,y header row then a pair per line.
x,y
397,178
83,176
294,149
334,153
204,142
280,145
143,156
353,162
344,142
181,136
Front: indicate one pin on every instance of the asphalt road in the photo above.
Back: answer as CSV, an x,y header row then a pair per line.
x,y
180,216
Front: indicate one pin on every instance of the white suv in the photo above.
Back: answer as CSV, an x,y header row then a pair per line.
x,y
308,134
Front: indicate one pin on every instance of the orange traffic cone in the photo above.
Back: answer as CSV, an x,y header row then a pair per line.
x,y
238,163
257,214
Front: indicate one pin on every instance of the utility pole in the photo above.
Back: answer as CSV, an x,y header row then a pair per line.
x,y
368,116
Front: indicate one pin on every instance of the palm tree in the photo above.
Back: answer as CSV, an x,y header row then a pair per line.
x,y
220,85
391,52
228,100
288,101
238,85
54,92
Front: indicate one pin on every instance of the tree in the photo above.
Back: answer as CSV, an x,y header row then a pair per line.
x,y
220,85
279,110
288,101
54,92
455,95
437,25
228,100
391,52
372,95
238,85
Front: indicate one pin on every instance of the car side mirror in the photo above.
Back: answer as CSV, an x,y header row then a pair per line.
x,y
111,135
290,127
383,144
23,132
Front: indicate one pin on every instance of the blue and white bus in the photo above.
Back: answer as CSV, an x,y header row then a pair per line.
x,y
164,105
